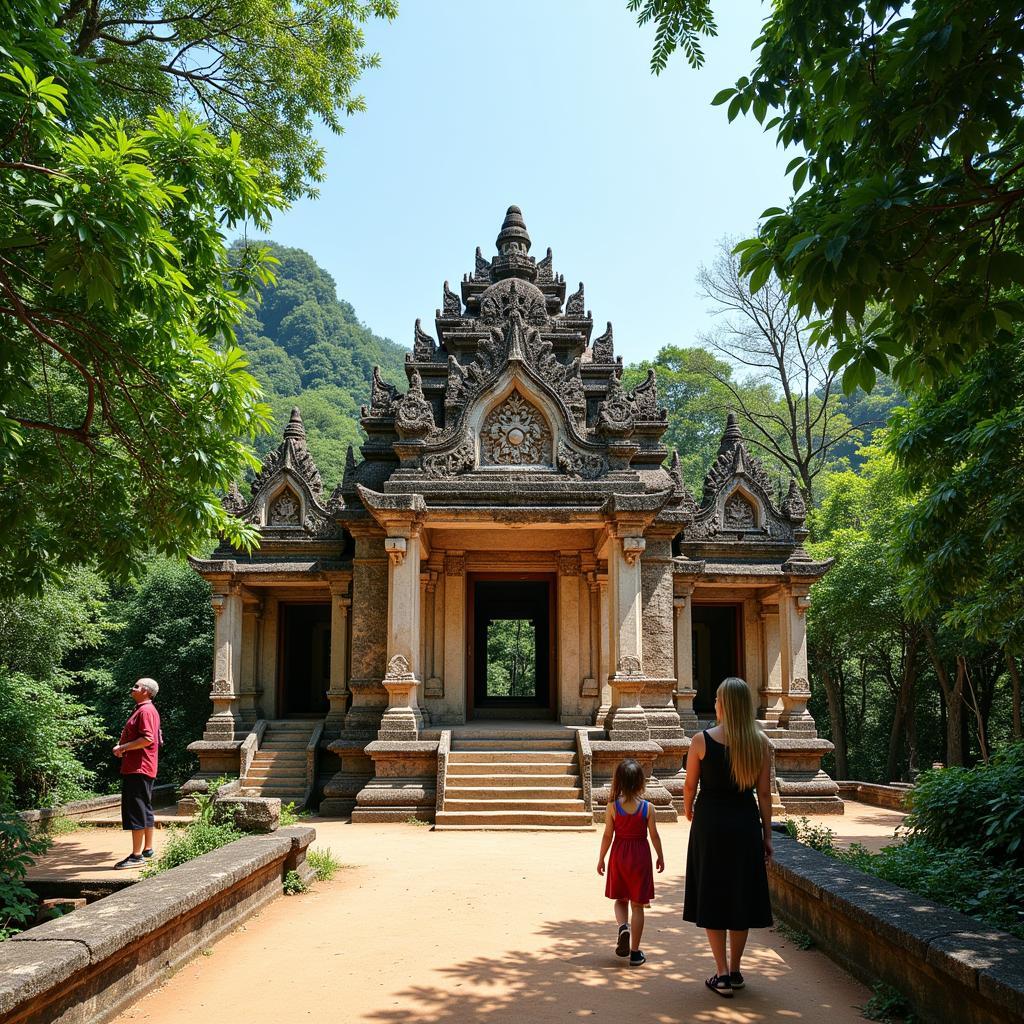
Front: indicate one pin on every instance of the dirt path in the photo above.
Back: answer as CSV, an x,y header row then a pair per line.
x,y
456,927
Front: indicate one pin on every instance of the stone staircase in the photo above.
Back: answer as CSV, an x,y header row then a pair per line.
x,y
526,781
278,767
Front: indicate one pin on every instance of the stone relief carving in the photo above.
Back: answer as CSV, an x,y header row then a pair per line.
x,y
575,305
629,666
616,411
739,513
545,273
451,303
604,347
285,510
414,416
233,501
793,506
455,564
510,296
568,565
515,434
482,270
458,460
423,345
578,465
645,399
383,396
399,667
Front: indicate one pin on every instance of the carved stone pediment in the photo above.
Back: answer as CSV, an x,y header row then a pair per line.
x,y
515,433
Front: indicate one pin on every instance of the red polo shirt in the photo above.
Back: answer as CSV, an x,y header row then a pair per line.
x,y
143,721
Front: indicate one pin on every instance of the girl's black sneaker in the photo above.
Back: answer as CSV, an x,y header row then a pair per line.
x,y
636,958
622,945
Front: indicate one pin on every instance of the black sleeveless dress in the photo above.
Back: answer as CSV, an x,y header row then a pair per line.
x,y
726,878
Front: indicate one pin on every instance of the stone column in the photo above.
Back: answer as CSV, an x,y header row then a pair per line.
x,y
402,718
432,685
226,722
685,690
795,696
368,661
338,693
770,697
248,687
568,654
626,720
455,632
590,686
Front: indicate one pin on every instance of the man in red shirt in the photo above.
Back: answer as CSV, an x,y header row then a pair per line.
x,y
139,748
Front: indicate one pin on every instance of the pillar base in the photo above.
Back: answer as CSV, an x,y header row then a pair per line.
x,y
404,784
605,756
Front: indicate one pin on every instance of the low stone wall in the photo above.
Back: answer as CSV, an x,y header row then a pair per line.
x,y
86,967
948,966
892,797
42,818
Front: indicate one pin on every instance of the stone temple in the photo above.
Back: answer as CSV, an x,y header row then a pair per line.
x,y
510,590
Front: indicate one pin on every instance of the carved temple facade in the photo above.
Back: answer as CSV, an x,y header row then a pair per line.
x,y
517,480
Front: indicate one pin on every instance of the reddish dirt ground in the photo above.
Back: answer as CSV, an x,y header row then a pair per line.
x,y
447,928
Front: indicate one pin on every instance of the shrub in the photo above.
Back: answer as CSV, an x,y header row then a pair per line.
x,y
18,849
288,815
973,808
323,863
293,884
962,879
817,837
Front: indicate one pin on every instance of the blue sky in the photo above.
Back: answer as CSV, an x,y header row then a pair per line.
x,y
631,179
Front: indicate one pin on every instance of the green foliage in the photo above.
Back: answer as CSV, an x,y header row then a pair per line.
x,y
957,877
124,404
817,837
888,1006
293,884
282,67
511,658
324,863
190,841
799,939
289,816
976,809
908,190
961,446
45,726
678,24
18,850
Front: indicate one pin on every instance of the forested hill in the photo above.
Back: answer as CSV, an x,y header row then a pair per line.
x,y
308,348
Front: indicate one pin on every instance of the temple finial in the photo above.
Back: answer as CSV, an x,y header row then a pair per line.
x,y
295,428
732,435
513,236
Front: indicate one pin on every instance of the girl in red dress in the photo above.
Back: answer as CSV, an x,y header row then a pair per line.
x,y
629,819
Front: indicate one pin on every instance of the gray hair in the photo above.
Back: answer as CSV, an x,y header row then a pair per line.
x,y
149,684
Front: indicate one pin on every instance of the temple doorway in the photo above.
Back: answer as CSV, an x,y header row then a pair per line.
x,y
716,651
511,652
304,659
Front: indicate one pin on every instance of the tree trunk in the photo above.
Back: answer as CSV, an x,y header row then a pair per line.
x,y
1011,665
952,695
904,722
837,714
979,720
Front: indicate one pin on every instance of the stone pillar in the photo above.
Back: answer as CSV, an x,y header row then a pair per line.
x,y
568,654
455,632
432,685
248,688
590,686
685,690
338,694
368,633
627,719
402,719
226,722
793,621
770,698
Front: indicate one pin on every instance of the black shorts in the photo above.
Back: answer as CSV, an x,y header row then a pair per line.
x,y
136,802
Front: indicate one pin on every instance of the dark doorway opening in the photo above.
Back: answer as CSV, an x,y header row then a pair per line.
x,y
511,653
304,675
716,651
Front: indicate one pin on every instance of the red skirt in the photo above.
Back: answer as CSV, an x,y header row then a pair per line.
x,y
630,871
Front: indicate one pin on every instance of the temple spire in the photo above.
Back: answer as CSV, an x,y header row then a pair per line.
x,y
513,236
732,435
295,429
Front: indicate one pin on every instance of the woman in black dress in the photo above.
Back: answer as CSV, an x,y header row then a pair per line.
x,y
730,842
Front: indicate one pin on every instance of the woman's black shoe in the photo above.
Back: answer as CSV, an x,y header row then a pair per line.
x,y
720,985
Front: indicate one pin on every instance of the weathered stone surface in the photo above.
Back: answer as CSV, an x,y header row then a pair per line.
x,y
29,969
256,814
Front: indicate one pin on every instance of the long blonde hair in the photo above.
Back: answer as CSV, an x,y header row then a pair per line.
x,y
746,741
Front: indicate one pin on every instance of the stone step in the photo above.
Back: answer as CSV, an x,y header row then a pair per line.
x,y
511,805
284,743
275,773
280,764
488,819
517,792
514,743
461,768
519,756
286,795
534,780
